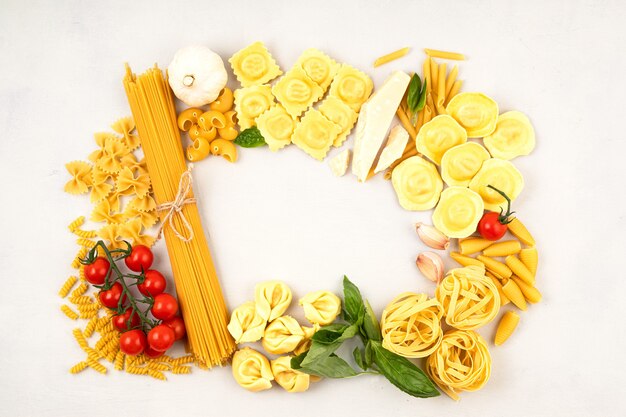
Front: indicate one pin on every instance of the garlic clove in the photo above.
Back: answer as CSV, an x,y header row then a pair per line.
x,y
430,265
432,237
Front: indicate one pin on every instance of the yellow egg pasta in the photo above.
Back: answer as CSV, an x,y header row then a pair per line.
x,y
289,379
435,53
476,112
321,307
411,325
503,298
276,126
271,298
253,65
503,248
282,335
245,324
530,258
517,228
461,163
417,184
531,293
251,102
514,293
318,66
296,91
125,126
458,212
341,114
514,136
497,267
507,325
518,268
473,245
351,86
81,177
438,135
315,134
502,175
466,260
391,57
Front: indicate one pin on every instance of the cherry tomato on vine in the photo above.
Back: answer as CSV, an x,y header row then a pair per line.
x,y
96,272
154,284
492,226
110,298
140,258
124,321
161,338
151,353
165,307
133,342
178,325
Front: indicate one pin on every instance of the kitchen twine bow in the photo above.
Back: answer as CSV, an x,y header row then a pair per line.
x,y
176,207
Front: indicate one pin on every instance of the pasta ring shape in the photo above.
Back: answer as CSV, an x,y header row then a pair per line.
x,y
351,86
315,134
276,126
458,212
321,307
288,378
514,136
417,184
502,175
296,91
411,325
469,298
251,102
282,335
318,66
272,298
476,112
253,65
252,370
461,363
438,135
461,163
223,102
245,325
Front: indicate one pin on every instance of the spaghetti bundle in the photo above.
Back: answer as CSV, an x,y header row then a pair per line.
x,y
197,285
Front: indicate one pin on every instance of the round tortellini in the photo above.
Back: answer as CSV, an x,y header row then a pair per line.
x,y
417,184
460,163
290,379
439,135
282,335
514,136
272,299
252,370
502,175
476,112
245,324
458,212
321,307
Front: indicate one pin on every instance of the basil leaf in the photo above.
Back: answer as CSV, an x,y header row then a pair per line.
x,y
369,355
330,367
327,336
319,351
422,101
359,358
250,138
296,361
403,373
413,95
352,301
370,323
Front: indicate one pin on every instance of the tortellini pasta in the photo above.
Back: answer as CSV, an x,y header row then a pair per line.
x,y
460,163
252,370
469,298
245,324
476,112
290,379
417,184
253,65
458,212
305,344
315,134
351,86
461,363
321,307
439,135
282,335
514,136
276,126
411,325
502,175
272,299
251,102
318,66
341,114
296,91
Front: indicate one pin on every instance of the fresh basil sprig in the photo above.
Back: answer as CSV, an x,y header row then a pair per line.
x,y
321,359
250,138
416,96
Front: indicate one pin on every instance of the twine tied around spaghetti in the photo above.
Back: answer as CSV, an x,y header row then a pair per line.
x,y
176,207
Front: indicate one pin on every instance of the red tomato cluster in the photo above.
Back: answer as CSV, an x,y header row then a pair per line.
x,y
134,339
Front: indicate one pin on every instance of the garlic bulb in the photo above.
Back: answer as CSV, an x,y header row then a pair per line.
x,y
432,237
430,265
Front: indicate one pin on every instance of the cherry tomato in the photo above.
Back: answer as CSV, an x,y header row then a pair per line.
x,y
161,338
124,322
96,272
490,226
140,258
111,297
164,307
154,284
133,342
151,353
178,325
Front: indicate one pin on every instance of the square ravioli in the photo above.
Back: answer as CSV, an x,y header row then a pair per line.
x,y
351,86
318,66
276,126
253,65
251,102
296,91
315,134
341,114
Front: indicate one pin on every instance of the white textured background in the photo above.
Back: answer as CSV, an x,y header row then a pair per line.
x,y
284,216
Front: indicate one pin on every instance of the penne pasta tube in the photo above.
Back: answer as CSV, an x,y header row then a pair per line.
x,y
391,57
473,245
434,75
456,87
465,260
441,84
406,123
435,53
506,248
451,79
496,266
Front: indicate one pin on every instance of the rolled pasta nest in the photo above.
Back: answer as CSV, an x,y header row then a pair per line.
x,y
411,325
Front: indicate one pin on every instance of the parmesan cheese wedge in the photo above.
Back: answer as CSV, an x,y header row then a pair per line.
x,y
374,120
339,164
398,138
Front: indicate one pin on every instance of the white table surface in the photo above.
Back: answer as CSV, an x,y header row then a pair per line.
x,y
284,216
